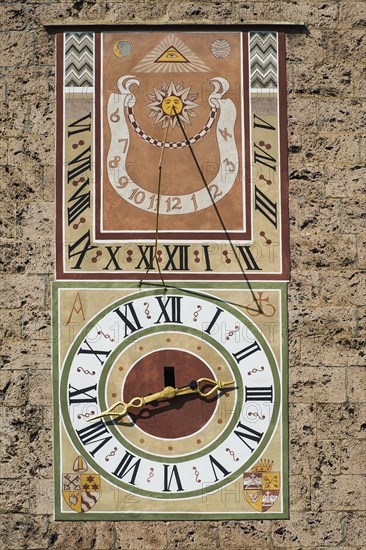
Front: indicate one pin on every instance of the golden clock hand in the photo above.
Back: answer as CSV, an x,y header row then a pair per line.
x,y
167,393
194,387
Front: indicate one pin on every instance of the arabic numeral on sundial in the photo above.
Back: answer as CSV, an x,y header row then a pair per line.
x,y
173,203
153,202
137,196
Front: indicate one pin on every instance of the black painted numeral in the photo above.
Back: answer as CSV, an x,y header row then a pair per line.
x,y
171,310
259,394
216,464
248,434
168,479
131,325
126,465
96,353
82,395
177,258
246,352
79,203
94,434
79,127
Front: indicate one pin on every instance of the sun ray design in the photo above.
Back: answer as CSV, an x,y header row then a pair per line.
x,y
172,102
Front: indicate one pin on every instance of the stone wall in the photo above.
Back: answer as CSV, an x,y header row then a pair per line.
x,y
327,172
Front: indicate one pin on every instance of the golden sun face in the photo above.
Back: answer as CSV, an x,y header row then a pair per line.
x,y
172,102
172,105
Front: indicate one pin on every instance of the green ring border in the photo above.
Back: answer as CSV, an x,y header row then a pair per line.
x,y
173,291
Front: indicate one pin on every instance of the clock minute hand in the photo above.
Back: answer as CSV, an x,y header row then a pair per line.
x,y
167,393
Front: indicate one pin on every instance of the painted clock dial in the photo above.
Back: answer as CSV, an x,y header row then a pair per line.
x,y
178,448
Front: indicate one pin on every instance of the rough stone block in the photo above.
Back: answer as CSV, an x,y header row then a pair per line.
x,y
304,289
354,528
7,220
353,216
338,352
22,354
356,384
316,251
115,12
64,12
24,531
137,536
340,114
97,535
345,180
190,11
317,78
16,48
36,221
22,291
352,14
307,529
353,457
344,288
308,180
300,497
345,45
40,379
20,83
12,17
14,387
14,496
10,320
41,496
232,534
341,421
336,493
35,325
326,383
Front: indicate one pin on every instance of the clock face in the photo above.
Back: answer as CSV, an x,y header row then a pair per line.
x,y
171,449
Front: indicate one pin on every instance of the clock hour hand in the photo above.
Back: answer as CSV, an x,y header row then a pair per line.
x,y
121,408
196,386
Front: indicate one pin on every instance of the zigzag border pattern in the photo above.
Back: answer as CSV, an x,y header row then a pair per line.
x,y
263,60
79,57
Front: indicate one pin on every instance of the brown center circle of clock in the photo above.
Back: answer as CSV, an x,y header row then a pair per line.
x,y
177,417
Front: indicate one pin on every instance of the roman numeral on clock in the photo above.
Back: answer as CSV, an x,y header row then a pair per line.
x,y
96,353
168,480
262,124
265,206
259,394
216,464
79,127
82,164
247,433
94,434
264,158
80,249
83,395
214,319
171,310
126,466
247,255
177,258
131,325
246,352
80,202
